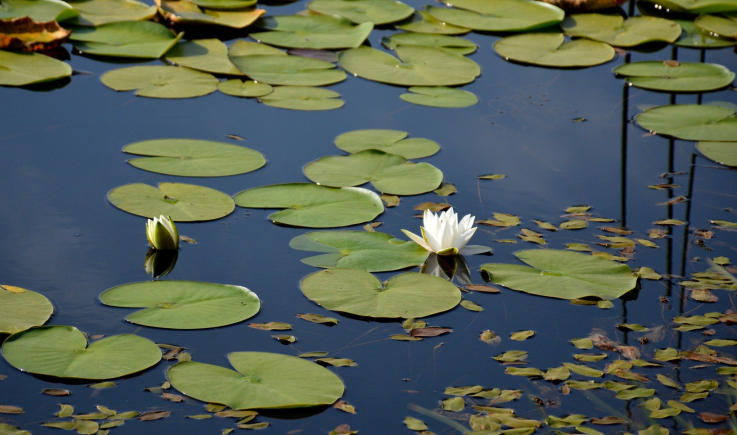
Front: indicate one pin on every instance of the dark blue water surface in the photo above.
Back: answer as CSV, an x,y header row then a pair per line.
x,y
61,154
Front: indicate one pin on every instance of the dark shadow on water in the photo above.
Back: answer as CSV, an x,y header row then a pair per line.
x,y
48,86
293,414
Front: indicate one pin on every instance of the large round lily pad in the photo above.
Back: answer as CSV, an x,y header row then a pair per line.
x,y
550,49
680,77
389,173
21,69
304,98
499,15
182,202
289,70
564,275
372,252
99,12
247,89
39,10
721,152
423,22
313,206
308,31
364,11
615,30
416,66
183,304
390,141
62,352
691,122
194,158
694,37
451,43
260,380
724,25
439,96
209,55
139,39
21,309
186,12
408,295
161,81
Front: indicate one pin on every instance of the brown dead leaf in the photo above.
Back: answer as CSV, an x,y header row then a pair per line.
x,y
677,200
25,34
673,63
430,331
616,230
482,288
711,417
432,206
704,234
9,409
343,429
154,415
604,343
345,406
234,137
172,397
172,354
56,392
629,352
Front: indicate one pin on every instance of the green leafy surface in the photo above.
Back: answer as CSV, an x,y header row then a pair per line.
x,y
683,77
451,43
721,152
615,30
691,122
99,12
194,158
416,66
312,206
289,70
499,15
389,173
372,252
183,304
248,48
39,10
224,5
724,25
439,96
550,49
408,295
182,202
209,55
390,141
161,81
140,39
698,6
363,11
306,31
563,275
423,22
21,309
260,380
303,98
694,37
62,351
21,69
246,89
186,12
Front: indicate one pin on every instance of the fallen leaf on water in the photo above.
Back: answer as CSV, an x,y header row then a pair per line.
x,y
271,326
445,189
172,353
482,288
710,417
616,230
546,225
338,362
233,413
154,415
432,206
430,331
343,429
285,339
414,424
490,337
390,200
188,239
172,397
404,337
345,406
666,222
471,306
26,34
56,392
263,425
234,136
454,404
492,177
9,409
608,420
522,335
663,186
317,318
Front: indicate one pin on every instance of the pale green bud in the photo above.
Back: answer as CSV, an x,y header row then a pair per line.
x,y
162,233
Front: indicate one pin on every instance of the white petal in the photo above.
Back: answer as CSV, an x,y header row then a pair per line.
x,y
466,223
445,237
417,239
432,240
430,222
463,239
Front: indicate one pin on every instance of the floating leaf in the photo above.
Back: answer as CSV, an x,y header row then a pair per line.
x,y
21,69
451,43
21,309
493,177
183,304
208,55
563,274
62,351
39,10
500,15
408,295
182,202
186,12
317,318
416,66
522,335
288,70
390,141
271,326
194,158
363,11
99,12
615,30
137,39
338,362
414,424
683,77
698,6
25,34
453,404
10,409
550,49
310,31
372,252
161,81
247,89
635,393
303,98
471,306
439,96
445,189
724,25
691,122
696,38
309,205
261,380
423,22
724,153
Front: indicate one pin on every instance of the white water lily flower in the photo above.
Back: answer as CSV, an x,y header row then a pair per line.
x,y
443,234
162,233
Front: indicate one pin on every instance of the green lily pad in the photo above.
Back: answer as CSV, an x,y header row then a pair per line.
x,y
372,252
224,5
308,31
313,206
550,49
21,69
62,352
209,55
724,153
615,30
364,11
682,77
21,309
388,173
564,275
451,43
289,70
724,25
390,141
183,304
182,202
260,381
248,48
7,429
416,66
439,96
99,12
691,122
408,295
697,6
423,22
247,89
304,98
694,37
194,158
186,12
140,39
39,10
161,81
499,15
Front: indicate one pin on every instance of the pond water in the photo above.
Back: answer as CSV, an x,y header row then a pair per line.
x,y
62,238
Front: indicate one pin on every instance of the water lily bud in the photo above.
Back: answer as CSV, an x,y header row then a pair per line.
x,y
162,233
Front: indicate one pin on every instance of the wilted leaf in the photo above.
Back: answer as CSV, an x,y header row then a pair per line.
x,y
710,417
490,337
522,335
432,206
430,331
609,420
154,415
482,288
471,306
582,343
445,189
56,392
317,318
9,409
338,362
404,337
271,326
345,406
390,200
453,404
26,34
492,177
414,424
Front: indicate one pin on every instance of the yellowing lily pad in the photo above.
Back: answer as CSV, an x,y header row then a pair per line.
x,y
305,98
161,81
499,15
208,55
21,309
390,141
21,69
551,49
408,295
691,122
439,96
615,30
99,12
363,11
186,12
260,381
309,31
26,34
182,202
